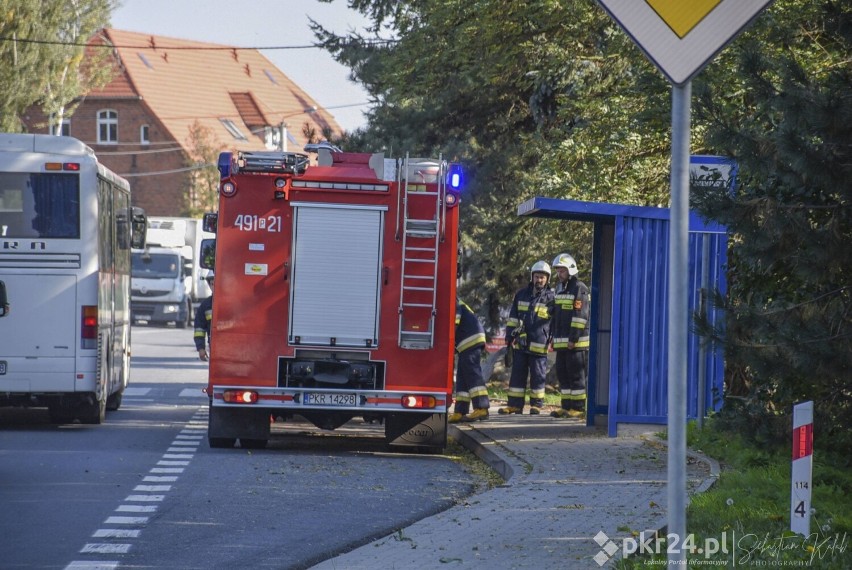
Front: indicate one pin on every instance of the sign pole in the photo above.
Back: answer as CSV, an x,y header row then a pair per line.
x,y
678,280
802,469
680,38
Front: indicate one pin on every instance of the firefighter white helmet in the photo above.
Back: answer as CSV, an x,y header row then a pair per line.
x,y
540,267
565,260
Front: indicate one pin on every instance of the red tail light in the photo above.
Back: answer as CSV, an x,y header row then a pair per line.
x,y
89,327
419,401
240,396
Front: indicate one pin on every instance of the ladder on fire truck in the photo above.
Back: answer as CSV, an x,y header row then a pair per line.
x,y
423,218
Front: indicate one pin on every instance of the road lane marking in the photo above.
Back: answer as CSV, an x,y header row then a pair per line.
x,y
105,548
173,461
152,488
126,520
144,498
92,565
117,533
136,509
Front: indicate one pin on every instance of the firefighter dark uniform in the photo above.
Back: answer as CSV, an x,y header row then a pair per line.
x,y
470,385
203,315
570,330
528,331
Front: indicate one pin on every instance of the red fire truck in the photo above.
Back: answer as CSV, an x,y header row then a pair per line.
x,y
335,294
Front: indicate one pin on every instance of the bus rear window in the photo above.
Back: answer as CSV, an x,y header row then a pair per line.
x,y
36,205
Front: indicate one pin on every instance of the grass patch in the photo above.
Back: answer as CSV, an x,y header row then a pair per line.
x,y
750,506
484,478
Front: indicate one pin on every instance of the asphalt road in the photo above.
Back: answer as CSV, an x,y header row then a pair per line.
x,y
144,490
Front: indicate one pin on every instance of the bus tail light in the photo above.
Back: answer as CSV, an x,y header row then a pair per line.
x,y
70,166
419,401
89,327
240,396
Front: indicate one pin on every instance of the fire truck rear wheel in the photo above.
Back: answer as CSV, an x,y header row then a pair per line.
x,y
246,443
222,442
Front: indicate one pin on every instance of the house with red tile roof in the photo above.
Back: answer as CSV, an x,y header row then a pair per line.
x,y
141,123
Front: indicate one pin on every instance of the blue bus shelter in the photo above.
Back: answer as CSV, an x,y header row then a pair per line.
x,y
628,372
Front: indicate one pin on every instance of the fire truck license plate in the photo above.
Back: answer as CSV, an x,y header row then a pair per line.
x,y
320,399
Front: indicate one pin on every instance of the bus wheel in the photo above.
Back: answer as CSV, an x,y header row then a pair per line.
x,y
114,401
94,411
60,414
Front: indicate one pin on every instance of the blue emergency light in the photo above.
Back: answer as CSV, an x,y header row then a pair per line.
x,y
224,164
455,176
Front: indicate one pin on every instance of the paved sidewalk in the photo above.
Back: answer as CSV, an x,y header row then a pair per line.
x,y
565,483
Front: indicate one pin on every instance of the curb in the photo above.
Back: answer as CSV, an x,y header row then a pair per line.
x,y
652,439
485,449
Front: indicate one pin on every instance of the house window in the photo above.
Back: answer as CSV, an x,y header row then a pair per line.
x,y
63,129
232,128
143,135
107,126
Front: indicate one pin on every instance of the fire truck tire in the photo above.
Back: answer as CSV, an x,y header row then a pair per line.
x,y
221,442
247,443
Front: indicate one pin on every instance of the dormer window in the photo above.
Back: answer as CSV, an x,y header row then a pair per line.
x,y
232,128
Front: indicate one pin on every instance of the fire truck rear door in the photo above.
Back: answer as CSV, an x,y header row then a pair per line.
x,y
336,274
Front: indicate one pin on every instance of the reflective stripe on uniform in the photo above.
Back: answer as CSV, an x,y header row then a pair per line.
x,y
472,340
516,392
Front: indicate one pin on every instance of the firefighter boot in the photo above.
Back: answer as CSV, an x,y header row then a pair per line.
x,y
476,415
535,410
510,410
561,413
455,417
577,414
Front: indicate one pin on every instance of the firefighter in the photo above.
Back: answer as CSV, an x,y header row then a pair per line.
x,y
470,385
202,322
570,329
528,334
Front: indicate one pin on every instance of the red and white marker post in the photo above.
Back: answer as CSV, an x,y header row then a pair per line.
x,y
803,459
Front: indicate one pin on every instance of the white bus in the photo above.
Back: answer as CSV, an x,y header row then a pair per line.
x,y
66,231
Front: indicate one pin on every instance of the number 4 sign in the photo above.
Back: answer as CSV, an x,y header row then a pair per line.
x,y
803,454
